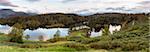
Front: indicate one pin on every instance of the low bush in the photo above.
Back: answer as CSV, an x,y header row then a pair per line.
x,y
80,39
95,39
125,45
76,46
4,38
57,39
33,46
75,38
135,45
1,33
106,45
16,34
58,49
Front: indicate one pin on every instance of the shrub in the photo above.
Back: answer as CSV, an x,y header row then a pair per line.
x,y
58,49
80,39
4,38
124,45
106,38
106,30
32,46
85,41
75,38
16,35
1,33
76,46
106,45
17,39
95,39
57,39
135,45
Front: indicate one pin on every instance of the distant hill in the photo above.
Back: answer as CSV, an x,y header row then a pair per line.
x,y
9,13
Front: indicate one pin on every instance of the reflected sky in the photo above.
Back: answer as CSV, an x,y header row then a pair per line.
x,y
5,29
95,34
49,33
34,34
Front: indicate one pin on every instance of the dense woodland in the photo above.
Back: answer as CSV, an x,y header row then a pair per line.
x,y
71,20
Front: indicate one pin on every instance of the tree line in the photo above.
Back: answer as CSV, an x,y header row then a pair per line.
x,y
71,20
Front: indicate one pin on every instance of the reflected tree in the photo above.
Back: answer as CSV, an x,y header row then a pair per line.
x,y
41,38
57,34
27,37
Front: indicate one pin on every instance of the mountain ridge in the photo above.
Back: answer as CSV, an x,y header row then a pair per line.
x,y
10,13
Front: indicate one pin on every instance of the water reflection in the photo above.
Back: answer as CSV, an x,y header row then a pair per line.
x,y
95,34
5,29
46,33
49,33
113,28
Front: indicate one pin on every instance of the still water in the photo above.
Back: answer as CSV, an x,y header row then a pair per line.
x,y
34,34
49,33
46,33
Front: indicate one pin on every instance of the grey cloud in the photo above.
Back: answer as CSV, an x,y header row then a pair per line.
x,y
128,10
118,8
7,3
144,2
144,5
84,10
67,1
33,0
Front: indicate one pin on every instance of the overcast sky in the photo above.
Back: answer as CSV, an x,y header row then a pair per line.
x,y
77,6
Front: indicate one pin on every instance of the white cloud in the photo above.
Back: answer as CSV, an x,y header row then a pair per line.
x,y
75,6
